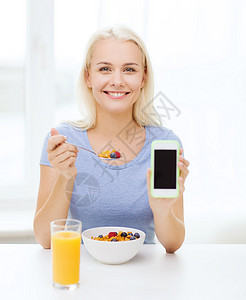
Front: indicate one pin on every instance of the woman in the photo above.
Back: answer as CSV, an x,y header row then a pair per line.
x,y
115,89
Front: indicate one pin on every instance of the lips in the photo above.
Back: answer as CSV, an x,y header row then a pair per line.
x,y
116,95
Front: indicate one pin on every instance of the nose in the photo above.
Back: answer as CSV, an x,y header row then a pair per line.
x,y
117,79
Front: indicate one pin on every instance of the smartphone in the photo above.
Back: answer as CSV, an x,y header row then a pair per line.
x,y
164,169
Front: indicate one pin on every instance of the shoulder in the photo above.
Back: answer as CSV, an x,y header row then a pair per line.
x,y
162,133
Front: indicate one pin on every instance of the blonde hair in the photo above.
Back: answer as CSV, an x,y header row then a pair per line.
x,y
144,112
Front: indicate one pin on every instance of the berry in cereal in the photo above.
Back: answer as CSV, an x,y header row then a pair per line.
x,y
112,234
117,154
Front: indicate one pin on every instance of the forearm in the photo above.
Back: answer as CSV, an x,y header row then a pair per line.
x,y
169,230
55,207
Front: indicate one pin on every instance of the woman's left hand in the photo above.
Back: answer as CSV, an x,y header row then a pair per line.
x,y
159,205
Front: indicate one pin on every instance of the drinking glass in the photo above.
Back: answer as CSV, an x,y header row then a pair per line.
x,y
65,246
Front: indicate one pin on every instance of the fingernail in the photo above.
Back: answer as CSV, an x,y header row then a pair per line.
x,y
65,137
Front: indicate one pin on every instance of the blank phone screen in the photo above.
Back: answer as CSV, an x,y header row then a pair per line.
x,y
165,169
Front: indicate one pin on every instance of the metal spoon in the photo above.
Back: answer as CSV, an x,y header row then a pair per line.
x,y
91,152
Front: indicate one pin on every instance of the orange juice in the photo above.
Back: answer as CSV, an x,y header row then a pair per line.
x,y
66,256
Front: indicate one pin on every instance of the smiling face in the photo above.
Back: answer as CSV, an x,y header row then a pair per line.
x,y
116,75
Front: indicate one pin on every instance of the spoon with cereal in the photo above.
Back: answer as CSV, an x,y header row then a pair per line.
x,y
103,155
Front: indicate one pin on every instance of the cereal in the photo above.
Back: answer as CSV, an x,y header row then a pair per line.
x,y
112,154
117,236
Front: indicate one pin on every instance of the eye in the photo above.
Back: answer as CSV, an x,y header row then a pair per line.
x,y
104,69
130,70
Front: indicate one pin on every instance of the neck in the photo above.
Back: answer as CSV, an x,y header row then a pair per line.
x,y
109,125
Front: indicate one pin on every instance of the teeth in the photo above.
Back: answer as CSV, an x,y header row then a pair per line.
x,y
117,94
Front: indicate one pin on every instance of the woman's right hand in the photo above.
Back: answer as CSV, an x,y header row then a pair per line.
x,y
62,156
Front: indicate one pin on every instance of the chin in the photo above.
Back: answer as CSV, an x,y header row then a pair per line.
x,y
118,110
117,107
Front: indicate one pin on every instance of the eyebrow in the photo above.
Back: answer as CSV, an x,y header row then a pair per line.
x,y
107,63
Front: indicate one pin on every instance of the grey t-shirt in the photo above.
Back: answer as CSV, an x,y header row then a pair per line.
x,y
110,194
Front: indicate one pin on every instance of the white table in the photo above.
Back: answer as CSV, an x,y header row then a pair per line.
x,y
193,272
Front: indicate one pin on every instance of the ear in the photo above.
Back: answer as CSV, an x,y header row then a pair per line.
x,y
144,77
87,77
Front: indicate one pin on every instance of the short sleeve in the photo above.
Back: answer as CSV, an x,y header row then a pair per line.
x,y
44,154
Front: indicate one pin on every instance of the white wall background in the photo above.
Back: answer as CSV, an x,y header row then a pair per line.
x,y
198,51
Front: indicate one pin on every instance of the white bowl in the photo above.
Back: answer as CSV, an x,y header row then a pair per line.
x,y
112,252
